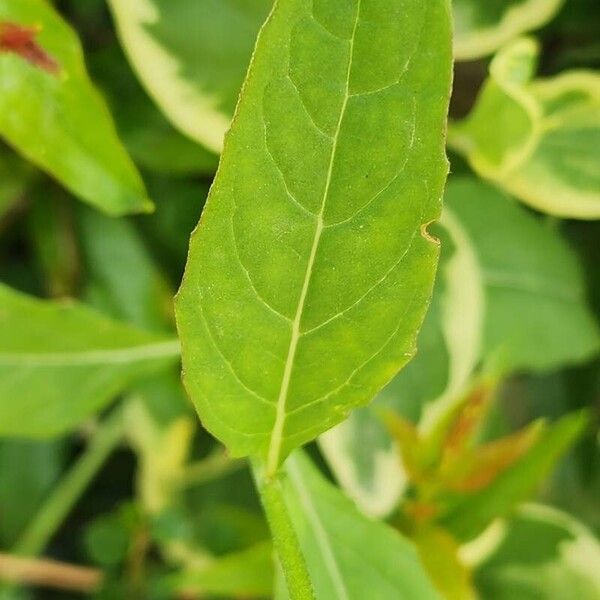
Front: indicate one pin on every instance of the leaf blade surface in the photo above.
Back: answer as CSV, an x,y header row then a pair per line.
x,y
316,221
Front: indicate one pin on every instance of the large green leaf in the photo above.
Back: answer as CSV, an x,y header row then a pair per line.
x,y
538,139
360,450
541,553
483,26
349,556
537,314
192,55
60,362
53,115
309,275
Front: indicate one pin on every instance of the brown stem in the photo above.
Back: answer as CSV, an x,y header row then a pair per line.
x,y
49,573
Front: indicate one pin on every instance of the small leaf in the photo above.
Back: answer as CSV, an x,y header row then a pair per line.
x,y
483,26
469,517
540,139
61,362
51,113
349,556
178,52
537,314
475,469
312,259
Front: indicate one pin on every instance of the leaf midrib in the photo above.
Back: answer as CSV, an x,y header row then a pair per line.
x,y
115,356
276,440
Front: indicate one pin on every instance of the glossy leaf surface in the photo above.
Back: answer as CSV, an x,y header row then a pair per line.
x,y
312,259
52,114
60,362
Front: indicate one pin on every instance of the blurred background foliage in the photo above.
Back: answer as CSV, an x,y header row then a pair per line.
x,y
484,450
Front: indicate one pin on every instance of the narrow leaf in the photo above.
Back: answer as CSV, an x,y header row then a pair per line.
x,y
469,517
308,278
52,114
60,362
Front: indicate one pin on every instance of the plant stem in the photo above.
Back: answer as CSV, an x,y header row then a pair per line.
x,y
49,573
215,465
284,536
69,489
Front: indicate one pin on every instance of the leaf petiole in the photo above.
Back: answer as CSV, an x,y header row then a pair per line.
x,y
285,539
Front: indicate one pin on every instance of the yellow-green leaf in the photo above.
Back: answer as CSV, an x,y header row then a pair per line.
x,y
311,270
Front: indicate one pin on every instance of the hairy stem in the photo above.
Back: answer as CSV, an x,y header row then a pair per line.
x,y
284,536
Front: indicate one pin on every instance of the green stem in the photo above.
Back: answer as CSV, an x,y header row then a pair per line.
x,y
215,465
49,518
284,536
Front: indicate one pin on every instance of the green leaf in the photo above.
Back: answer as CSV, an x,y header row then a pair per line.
x,y
28,470
52,236
14,179
540,139
150,138
121,277
537,314
483,26
179,52
471,515
309,276
360,450
60,362
542,553
440,555
247,574
349,556
51,113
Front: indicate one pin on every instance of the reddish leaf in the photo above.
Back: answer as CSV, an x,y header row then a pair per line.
x,y
21,41
475,470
